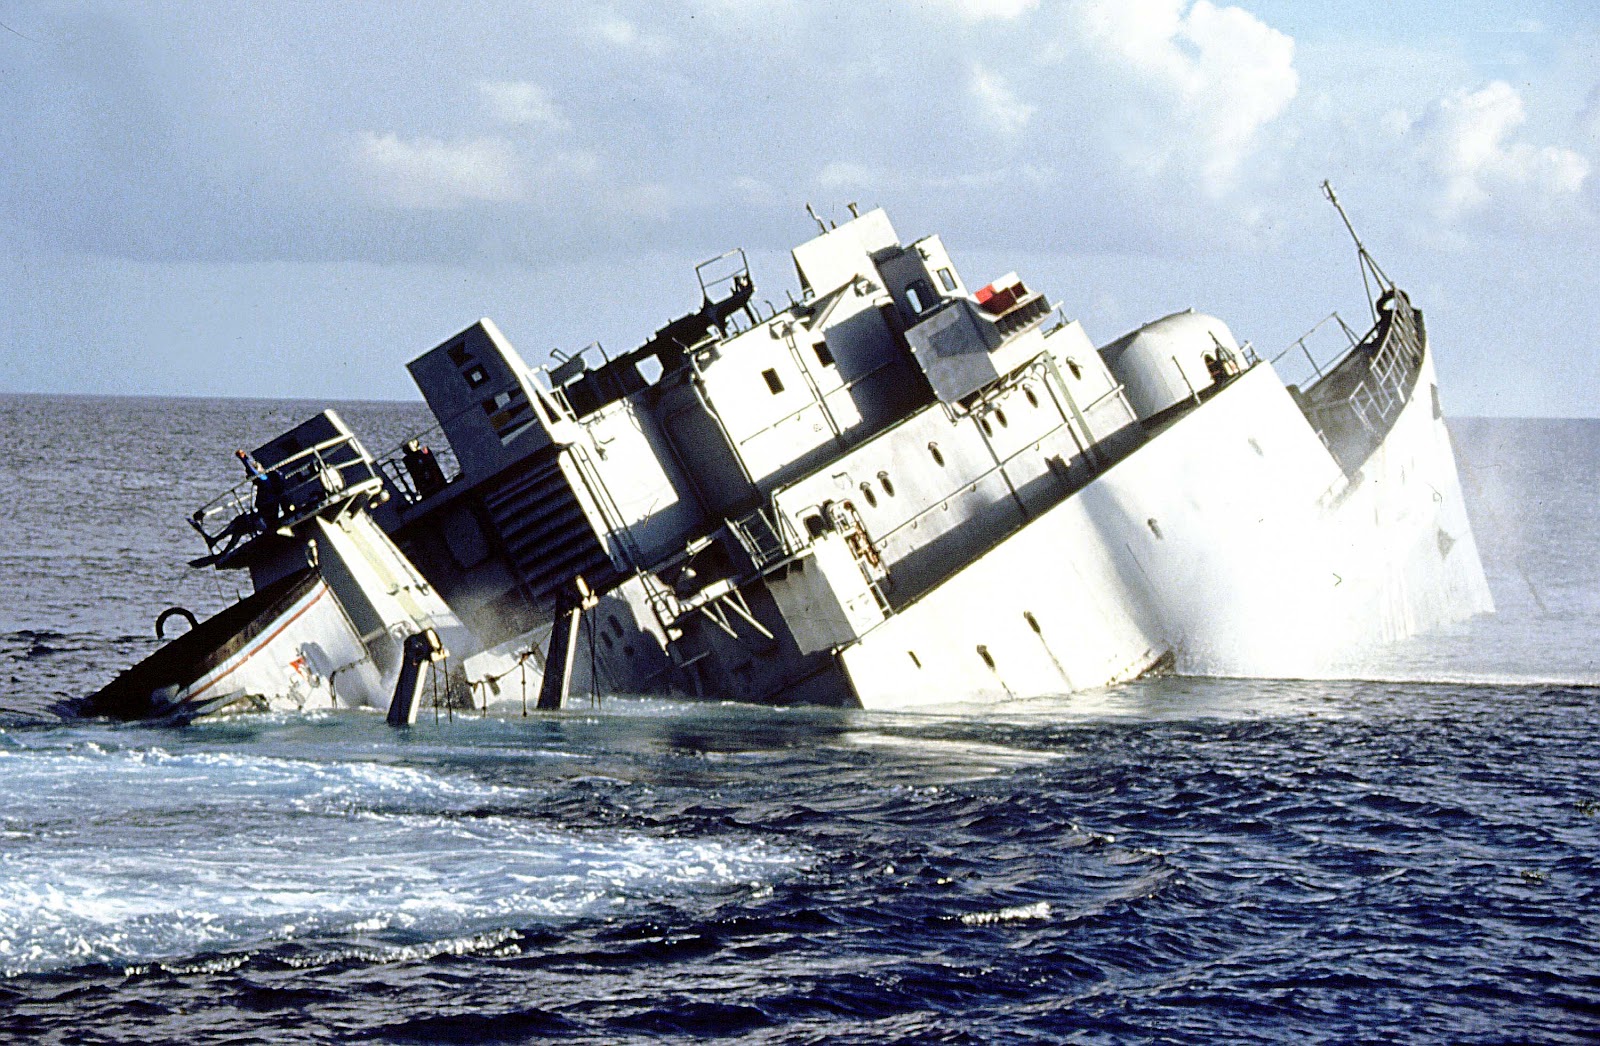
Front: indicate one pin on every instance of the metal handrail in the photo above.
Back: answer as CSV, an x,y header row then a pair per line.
x,y
238,501
1381,392
1300,343
391,463
782,540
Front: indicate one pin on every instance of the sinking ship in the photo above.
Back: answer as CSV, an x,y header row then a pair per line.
x,y
895,491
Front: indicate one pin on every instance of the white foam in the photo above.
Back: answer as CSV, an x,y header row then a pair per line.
x,y
136,856
1019,913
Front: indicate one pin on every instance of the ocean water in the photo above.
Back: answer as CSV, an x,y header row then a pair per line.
x,y
1410,853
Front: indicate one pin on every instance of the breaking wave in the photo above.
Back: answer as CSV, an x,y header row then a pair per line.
x,y
198,853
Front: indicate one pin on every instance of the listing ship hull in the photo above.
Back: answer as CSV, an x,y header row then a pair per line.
x,y
252,656
895,492
333,605
1230,544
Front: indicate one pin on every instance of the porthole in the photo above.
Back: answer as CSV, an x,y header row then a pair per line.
x,y
884,481
1028,394
983,652
607,640
1000,416
1033,622
938,458
983,423
866,492
615,625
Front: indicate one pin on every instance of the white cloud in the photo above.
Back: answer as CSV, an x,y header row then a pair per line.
x,y
520,102
1589,116
999,107
619,33
841,174
979,10
1466,139
1218,75
426,173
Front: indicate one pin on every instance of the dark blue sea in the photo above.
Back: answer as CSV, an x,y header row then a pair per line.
x,y
1410,853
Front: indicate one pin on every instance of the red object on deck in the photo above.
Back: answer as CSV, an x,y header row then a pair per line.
x,y
997,302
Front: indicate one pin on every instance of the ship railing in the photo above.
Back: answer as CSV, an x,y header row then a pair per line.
x,y
406,471
720,277
767,536
1300,344
1381,393
289,492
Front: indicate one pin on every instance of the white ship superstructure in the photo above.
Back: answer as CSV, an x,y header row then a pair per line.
x,y
334,606
898,490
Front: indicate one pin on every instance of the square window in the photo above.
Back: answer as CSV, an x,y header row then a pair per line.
x,y
476,376
823,353
774,382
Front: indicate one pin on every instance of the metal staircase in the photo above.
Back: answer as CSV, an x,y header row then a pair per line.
x,y
544,532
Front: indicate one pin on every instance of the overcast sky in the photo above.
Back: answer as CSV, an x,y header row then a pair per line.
x,y
297,197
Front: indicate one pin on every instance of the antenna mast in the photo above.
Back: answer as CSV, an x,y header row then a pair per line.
x,y
1368,264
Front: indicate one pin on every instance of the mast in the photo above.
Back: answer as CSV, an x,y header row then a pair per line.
x,y
1367,262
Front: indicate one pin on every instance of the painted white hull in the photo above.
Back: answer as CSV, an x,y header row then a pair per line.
x,y
330,639
309,658
1231,544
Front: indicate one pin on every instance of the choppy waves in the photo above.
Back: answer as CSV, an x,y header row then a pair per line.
x,y
129,855
1184,860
